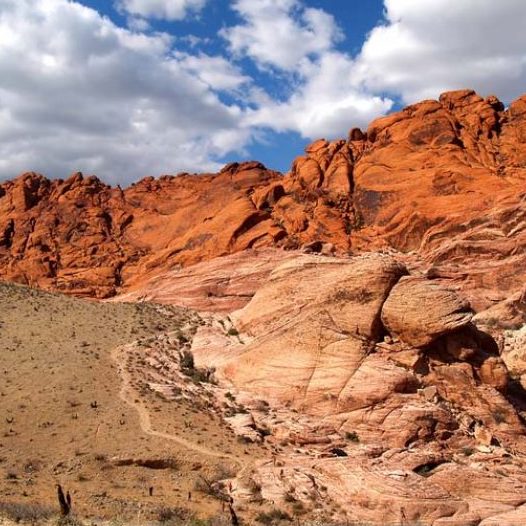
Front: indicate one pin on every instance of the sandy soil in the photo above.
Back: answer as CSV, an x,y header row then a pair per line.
x,y
69,415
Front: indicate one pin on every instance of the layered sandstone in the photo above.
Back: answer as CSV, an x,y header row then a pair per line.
x,y
418,311
223,284
396,408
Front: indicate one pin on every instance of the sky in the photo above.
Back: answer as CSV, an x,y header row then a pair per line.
x,y
129,88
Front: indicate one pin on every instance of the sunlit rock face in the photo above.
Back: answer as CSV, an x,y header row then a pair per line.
x,y
443,181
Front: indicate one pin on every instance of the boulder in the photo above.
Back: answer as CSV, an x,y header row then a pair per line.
x,y
418,311
494,372
325,312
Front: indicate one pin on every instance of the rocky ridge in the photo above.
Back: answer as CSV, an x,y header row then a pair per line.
x,y
457,165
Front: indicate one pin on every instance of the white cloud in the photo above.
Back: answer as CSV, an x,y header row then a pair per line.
x,y
215,71
299,41
327,103
77,92
161,9
280,33
433,46
421,50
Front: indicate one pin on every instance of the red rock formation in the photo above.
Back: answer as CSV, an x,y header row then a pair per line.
x,y
84,237
445,179
384,391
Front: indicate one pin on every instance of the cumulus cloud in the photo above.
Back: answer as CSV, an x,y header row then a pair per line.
x,y
425,48
280,33
420,50
326,103
77,92
217,72
161,9
300,42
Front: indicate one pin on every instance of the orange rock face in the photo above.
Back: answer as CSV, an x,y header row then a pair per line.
x,y
444,181
84,237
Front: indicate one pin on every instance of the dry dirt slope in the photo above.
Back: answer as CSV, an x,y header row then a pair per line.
x,y
62,420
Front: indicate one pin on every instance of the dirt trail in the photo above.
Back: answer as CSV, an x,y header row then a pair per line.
x,y
128,396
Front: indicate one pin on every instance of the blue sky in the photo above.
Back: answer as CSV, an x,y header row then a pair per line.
x,y
129,88
356,19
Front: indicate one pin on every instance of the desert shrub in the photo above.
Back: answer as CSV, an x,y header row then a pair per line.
x,y
499,416
176,515
289,496
187,361
262,405
352,436
209,487
426,469
25,512
298,508
69,521
255,489
197,374
355,296
182,338
213,486
232,331
274,516
214,521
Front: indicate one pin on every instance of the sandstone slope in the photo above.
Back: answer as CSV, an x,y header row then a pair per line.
x,y
383,398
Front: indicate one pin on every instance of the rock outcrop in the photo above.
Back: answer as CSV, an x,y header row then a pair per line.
x,y
223,284
325,312
418,311
355,337
385,399
441,181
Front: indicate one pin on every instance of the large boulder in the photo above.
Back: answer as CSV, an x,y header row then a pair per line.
x,y
419,311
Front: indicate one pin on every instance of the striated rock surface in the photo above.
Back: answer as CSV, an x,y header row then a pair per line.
x,y
443,182
328,336
325,312
383,403
223,284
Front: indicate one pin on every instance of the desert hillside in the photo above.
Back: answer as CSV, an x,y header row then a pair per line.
x,y
66,417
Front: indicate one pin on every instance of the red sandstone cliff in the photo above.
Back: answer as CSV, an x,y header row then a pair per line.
x,y
444,181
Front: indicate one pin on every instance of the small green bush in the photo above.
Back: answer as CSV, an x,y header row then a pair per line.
x,y
352,436
274,516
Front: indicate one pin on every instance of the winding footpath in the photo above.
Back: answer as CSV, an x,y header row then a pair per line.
x,y
127,395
